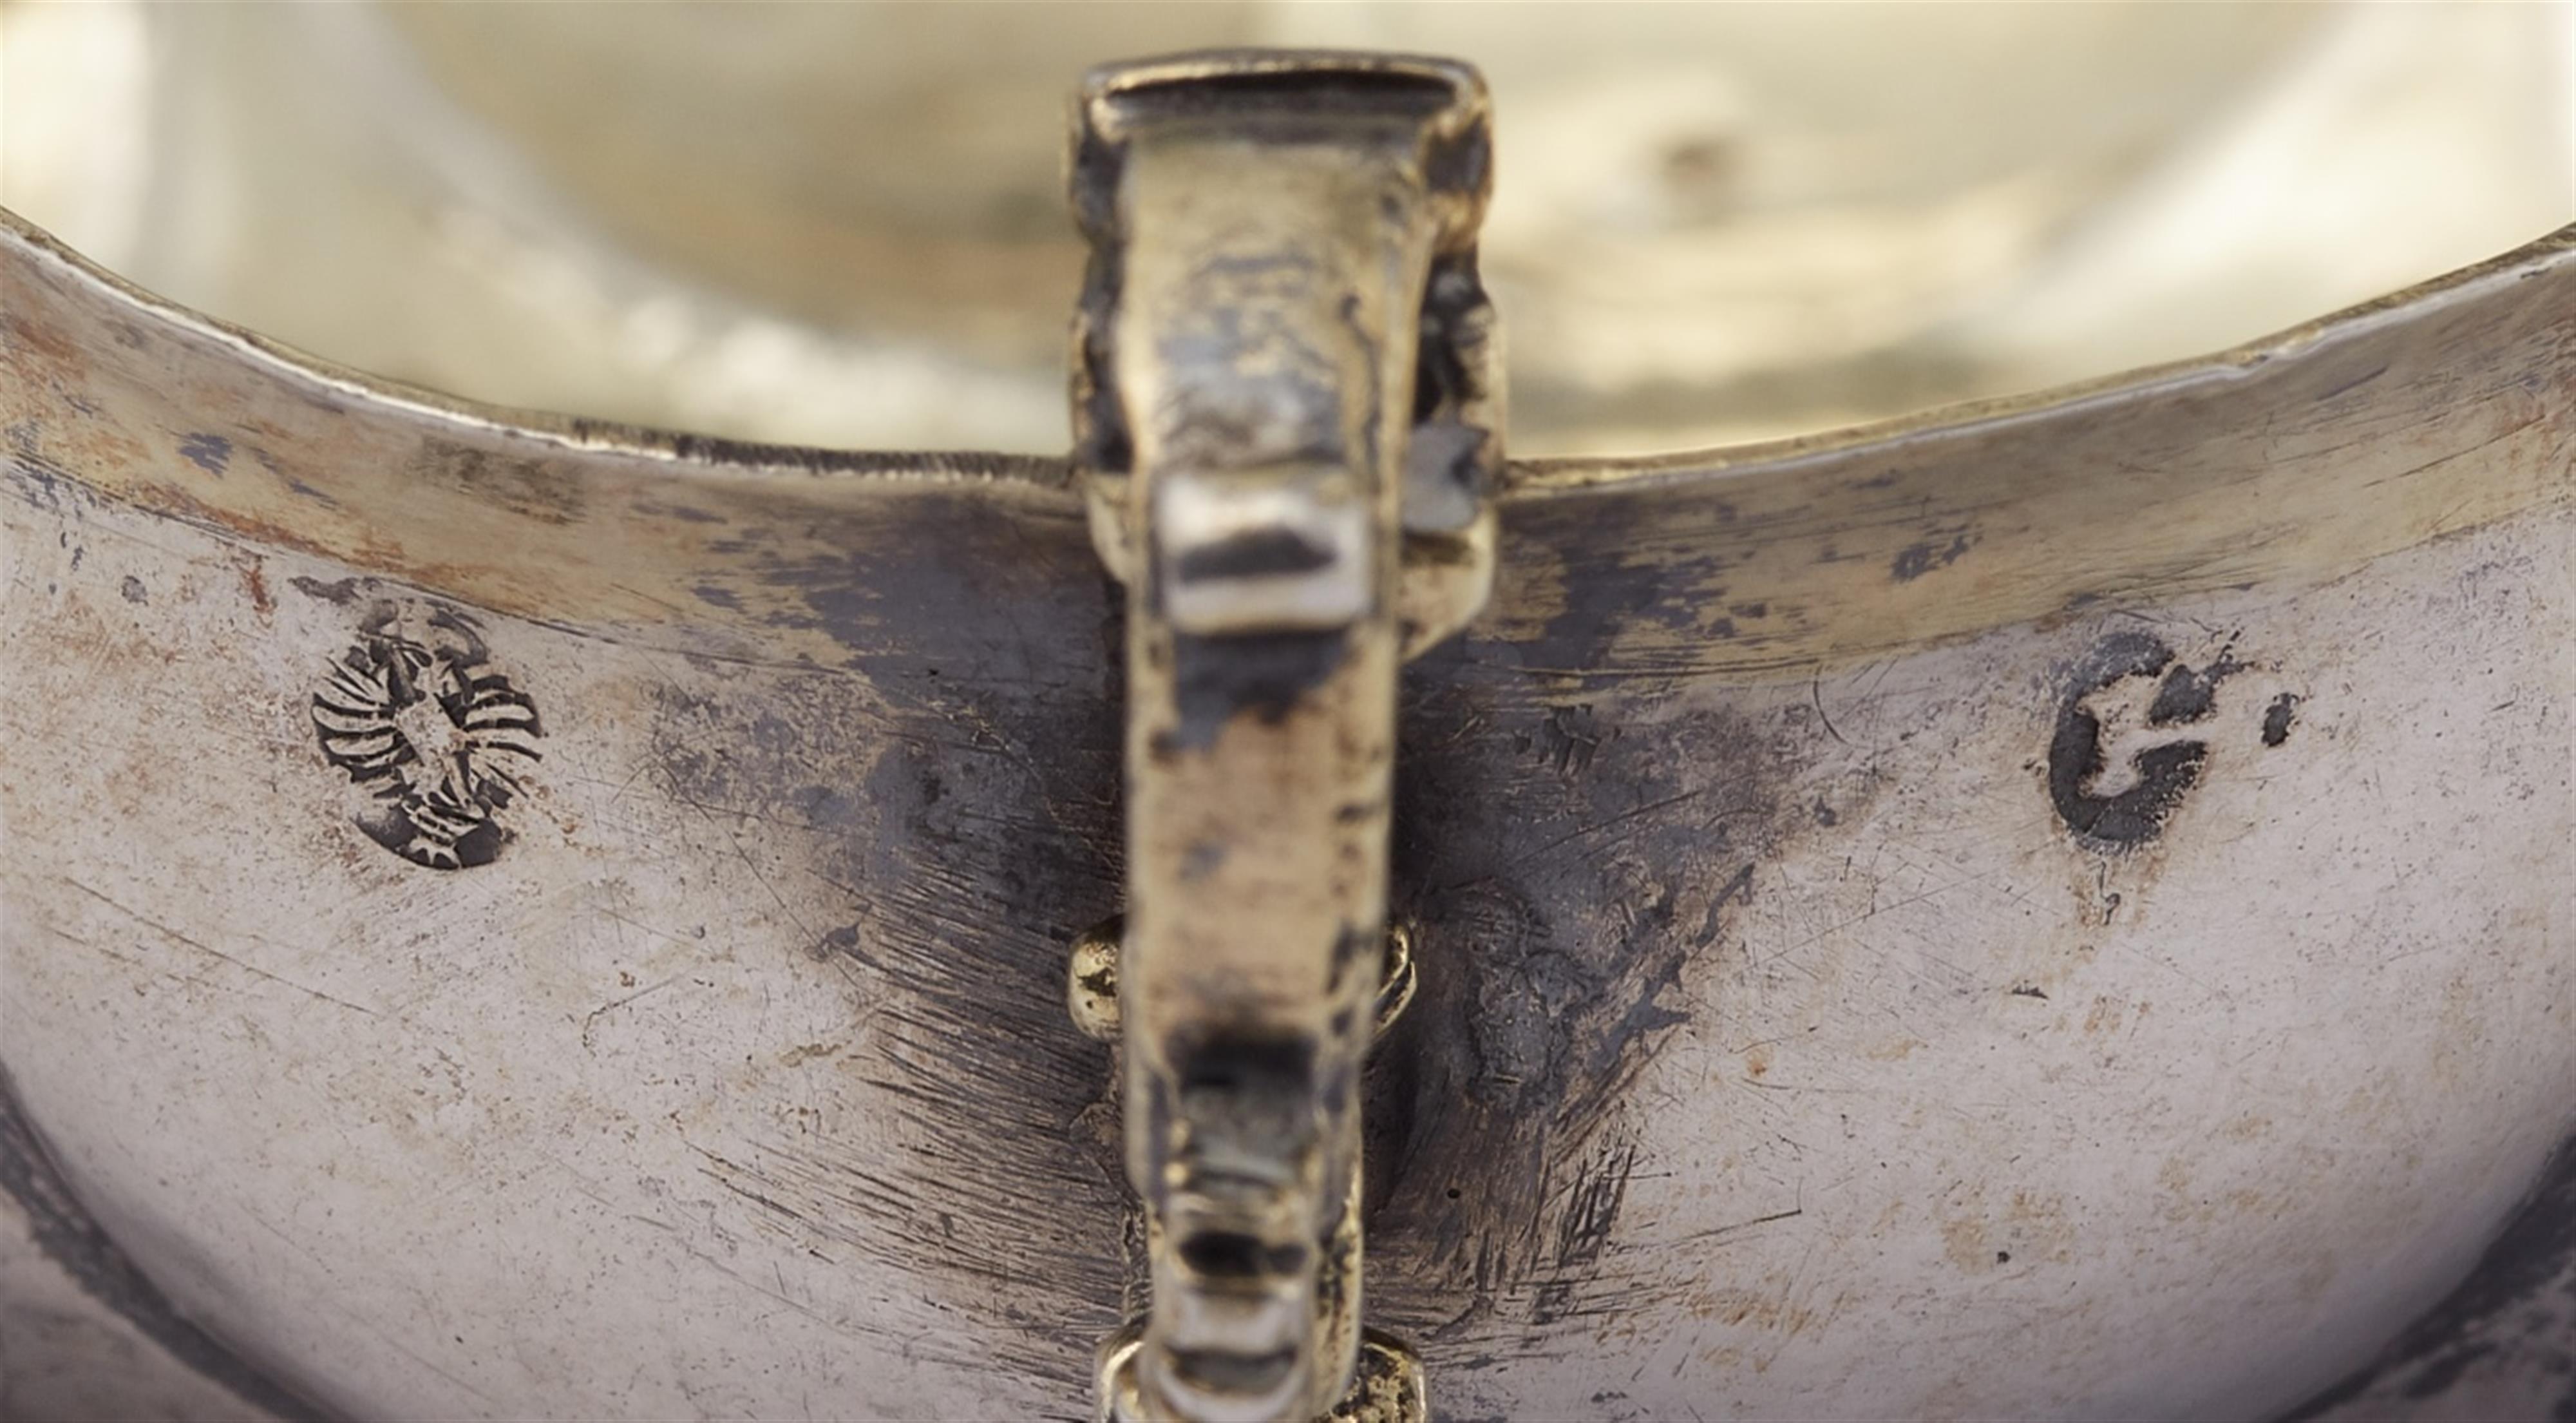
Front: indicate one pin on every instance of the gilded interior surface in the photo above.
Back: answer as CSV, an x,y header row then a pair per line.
x,y
843,225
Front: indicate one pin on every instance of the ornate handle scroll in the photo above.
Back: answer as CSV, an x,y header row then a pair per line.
x,y
1285,407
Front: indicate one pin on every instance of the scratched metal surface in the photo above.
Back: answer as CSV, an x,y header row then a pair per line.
x,y
2057,908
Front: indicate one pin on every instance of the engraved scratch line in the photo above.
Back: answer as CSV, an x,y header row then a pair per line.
x,y
252,969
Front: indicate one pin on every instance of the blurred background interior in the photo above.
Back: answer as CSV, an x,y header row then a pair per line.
x,y
843,224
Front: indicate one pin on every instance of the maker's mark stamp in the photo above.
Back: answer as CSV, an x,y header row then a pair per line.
x,y
435,737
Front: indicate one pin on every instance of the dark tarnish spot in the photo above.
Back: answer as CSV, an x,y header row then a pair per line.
x,y
2278,716
684,513
1204,858
1564,895
338,590
1659,583
41,482
132,590
307,491
843,940
207,452
1917,559
965,828
934,579
717,595
1215,679
530,488
967,863
2075,756
1257,554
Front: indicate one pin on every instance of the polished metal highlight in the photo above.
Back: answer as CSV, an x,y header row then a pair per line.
x,y
1287,415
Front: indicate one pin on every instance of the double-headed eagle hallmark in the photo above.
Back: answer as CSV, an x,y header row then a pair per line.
x,y
436,738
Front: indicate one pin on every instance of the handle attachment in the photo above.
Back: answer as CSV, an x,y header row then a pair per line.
x,y
1288,416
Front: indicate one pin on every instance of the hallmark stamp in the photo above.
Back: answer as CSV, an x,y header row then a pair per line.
x,y
435,738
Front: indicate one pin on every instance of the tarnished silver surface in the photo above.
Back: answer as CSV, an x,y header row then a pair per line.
x,y
2053,908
